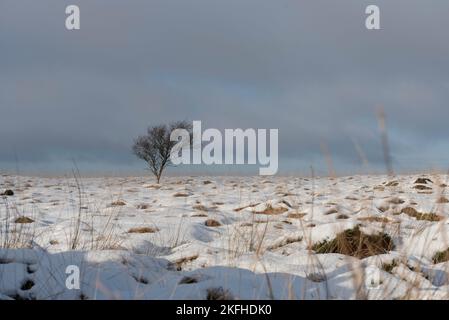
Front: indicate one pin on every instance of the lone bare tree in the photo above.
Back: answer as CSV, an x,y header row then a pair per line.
x,y
155,147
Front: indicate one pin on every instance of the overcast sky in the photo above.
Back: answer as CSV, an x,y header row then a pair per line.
x,y
309,68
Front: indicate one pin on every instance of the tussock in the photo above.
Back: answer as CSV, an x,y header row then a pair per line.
x,y
270,210
296,215
355,243
23,219
218,294
423,181
374,219
118,203
422,187
441,256
212,223
181,195
143,230
411,212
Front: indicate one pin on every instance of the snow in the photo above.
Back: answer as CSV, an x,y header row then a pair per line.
x,y
261,248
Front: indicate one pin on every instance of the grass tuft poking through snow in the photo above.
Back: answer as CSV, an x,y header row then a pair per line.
x,y
441,256
143,230
355,243
411,212
218,294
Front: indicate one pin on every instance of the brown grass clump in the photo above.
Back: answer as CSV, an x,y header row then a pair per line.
x,y
23,219
188,280
422,187
296,215
342,216
287,194
118,203
423,181
200,207
441,256
331,211
411,212
212,223
355,243
248,206
392,184
180,195
153,186
27,285
272,211
374,219
199,215
316,277
246,224
8,193
442,200
396,200
178,264
388,267
143,230
383,208
218,294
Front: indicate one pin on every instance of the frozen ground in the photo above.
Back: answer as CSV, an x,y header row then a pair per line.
x,y
222,237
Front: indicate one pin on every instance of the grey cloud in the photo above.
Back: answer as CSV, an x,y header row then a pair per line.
x,y
309,68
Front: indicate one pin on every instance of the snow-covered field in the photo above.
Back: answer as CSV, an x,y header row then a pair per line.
x,y
224,237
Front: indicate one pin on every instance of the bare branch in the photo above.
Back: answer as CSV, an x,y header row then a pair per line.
x,y
155,147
